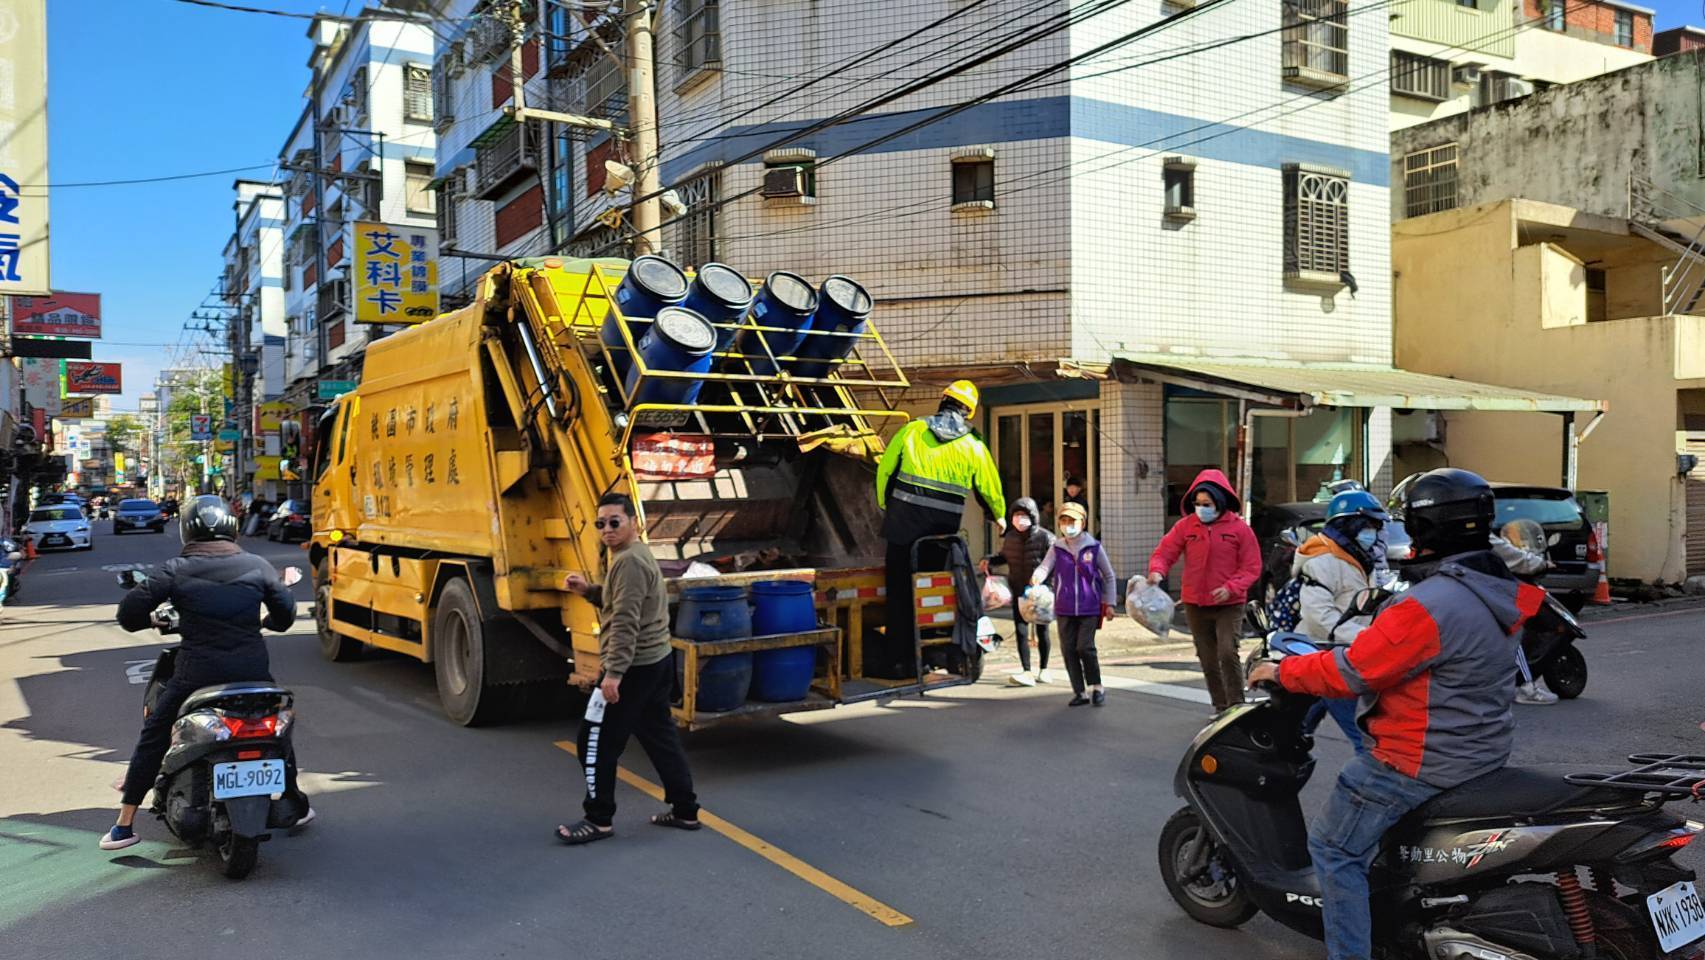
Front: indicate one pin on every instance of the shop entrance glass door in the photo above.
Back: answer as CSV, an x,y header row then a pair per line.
x,y
1040,447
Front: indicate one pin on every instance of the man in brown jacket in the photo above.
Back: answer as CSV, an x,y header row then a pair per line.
x,y
632,697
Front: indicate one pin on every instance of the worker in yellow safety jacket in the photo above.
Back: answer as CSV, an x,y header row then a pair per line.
x,y
929,468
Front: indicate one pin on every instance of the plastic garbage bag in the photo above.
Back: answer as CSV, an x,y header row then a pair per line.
x,y
1149,605
986,635
698,570
1037,605
997,592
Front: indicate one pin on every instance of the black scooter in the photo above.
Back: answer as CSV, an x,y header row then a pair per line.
x,y
1490,870
227,760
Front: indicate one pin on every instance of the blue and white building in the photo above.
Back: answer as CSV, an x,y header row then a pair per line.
x,y
253,289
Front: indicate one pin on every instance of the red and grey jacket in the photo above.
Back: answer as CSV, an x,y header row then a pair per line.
x,y
1435,672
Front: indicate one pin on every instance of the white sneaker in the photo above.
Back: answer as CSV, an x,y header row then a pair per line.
x,y
1023,679
1534,694
1046,676
307,818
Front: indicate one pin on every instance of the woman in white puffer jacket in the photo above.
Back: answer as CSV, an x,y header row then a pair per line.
x,y
1334,566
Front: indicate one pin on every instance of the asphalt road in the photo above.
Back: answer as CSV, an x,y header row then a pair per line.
x,y
999,822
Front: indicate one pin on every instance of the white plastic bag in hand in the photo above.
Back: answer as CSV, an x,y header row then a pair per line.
x,y
1037,605
996,592
1149,605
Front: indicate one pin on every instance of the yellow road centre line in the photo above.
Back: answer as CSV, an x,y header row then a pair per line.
x,y
879,911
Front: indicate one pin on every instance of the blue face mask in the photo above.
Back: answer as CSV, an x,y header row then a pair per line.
x,y
1207,514
1366,539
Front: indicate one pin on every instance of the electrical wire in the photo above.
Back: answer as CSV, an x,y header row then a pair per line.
x,y
370,15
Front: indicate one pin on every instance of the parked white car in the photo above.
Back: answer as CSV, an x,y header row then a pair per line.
x,y
59,525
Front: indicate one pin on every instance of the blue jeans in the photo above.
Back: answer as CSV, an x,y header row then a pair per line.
x,y
1369,799
1344,712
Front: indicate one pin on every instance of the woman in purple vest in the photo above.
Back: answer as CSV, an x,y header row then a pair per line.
x,y
1085,589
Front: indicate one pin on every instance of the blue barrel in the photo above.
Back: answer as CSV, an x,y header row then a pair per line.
x,y
713,613
718,613
843,306
783,606
721,295
651,284
679,340
786,300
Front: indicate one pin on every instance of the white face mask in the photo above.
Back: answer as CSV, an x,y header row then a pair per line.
x,y
1207,514
1021,523
1070,530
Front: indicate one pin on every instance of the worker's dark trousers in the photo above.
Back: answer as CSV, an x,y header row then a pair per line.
x,y
642,711
897,658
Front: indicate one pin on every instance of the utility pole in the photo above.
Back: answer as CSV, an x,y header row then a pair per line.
x,y
642,114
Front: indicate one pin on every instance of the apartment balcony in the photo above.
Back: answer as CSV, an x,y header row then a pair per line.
x,y
506,155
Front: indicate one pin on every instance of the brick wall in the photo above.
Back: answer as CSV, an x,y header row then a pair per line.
x,y
1132,474
520,216
1590,20
1677,40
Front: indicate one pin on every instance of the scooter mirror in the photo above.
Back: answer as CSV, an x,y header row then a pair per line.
x,y
14,556
292,576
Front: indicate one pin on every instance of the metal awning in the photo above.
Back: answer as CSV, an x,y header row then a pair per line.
x,y
1298,384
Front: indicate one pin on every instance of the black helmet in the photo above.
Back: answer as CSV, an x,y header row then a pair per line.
x,y
207,518
1448,511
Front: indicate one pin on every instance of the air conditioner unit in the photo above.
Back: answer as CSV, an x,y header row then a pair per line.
x,y
1469,73
784,182
1517,88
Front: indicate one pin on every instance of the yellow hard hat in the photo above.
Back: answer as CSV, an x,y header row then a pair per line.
x,y
963,391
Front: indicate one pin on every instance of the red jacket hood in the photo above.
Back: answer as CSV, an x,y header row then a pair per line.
x,y
1219,480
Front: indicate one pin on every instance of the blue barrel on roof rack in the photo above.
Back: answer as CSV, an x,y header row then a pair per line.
x,y
651,284
679,340
843,306
786,300
721,295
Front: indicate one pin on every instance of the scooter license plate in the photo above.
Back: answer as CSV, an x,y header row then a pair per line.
x,y
248,778
1678,917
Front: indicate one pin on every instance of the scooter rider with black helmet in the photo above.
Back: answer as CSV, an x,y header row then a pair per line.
x,y
218,590
1435,676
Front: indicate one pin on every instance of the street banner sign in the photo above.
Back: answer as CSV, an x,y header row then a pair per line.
x,y
58,315
40,378
51,349
201,426
269,415
77,408
23,148
266,468
83,377
396,273
332,389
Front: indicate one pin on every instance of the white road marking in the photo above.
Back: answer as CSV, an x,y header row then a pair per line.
x,y
138,671
1171,690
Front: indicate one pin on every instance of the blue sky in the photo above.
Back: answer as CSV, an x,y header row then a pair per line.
x,y
145,88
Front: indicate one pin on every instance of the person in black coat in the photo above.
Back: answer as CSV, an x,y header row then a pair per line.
x,y
218,590
1023,546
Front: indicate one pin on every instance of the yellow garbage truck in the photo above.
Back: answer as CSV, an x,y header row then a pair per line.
x,y
455,489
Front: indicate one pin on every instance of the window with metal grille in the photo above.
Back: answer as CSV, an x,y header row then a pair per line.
x,y
448,193
417,92
973,181
698,38
1413,75
356,94
1429,181
1625,28
417,189
1317,223
1316,41
694,242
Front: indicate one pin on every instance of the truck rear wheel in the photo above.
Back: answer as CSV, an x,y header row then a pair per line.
x,y
334,646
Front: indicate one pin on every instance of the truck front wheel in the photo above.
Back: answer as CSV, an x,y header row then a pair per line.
x,y
334,646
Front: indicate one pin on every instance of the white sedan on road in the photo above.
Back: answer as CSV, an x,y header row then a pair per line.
x,y
59,525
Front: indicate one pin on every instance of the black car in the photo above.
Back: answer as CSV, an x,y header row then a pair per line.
x,y
138,515
1271,523
291,522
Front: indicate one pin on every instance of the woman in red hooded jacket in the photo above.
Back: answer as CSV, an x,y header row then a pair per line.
x,y
1222,560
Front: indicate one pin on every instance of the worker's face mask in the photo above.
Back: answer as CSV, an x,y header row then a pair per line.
x,y
1021,523
1070,530
1366,539
1207,514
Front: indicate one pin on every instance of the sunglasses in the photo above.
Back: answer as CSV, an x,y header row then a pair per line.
x,y
613,523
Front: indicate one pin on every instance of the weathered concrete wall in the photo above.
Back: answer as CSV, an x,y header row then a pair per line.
x,y
1579,144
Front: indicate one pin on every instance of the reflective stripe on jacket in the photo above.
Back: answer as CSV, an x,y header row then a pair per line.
x,y
922,482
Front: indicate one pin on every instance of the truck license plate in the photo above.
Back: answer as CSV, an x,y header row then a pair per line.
x,y
1677,916
255,778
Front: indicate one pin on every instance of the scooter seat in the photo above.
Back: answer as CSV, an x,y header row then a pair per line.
x,y
247,688
1520,792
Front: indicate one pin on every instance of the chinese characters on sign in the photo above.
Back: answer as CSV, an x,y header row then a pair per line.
x,y
23,147
59,315
396,273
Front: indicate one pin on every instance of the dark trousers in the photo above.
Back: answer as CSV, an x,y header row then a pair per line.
x,y
1215,632
156,736
1077,648
643,712
897,658
1020,634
